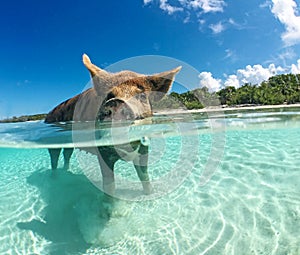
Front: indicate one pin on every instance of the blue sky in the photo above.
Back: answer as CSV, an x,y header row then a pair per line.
x,y
228,41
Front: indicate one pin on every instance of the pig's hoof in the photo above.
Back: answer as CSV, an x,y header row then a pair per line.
x,y
148,190
145,141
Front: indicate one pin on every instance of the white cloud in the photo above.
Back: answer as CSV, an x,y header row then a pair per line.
x,y
286,12
206,80
287,54
255,74
187,18
191,9
265,4
231,22
230,55
295,69
232,80
147,1
225,24
201,21
205,5
165,6
217,28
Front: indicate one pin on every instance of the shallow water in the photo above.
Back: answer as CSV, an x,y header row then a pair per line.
x,y
250,205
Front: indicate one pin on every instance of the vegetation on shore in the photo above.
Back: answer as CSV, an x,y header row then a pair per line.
x,y
24,118
279,89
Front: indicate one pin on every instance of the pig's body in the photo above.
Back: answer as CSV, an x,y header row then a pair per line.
x,y
65,110
113,97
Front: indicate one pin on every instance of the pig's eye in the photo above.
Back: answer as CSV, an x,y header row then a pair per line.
x,y
140,87
110,95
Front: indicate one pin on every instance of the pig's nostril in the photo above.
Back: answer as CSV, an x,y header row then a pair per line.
x,y
105,113
108,112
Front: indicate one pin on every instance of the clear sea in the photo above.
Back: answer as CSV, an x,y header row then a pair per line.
x,y
224,183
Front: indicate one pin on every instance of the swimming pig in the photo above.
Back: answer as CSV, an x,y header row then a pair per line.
x,y
114,97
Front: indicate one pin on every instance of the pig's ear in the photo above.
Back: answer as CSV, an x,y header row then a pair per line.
x,y
94,70
162,82
102,80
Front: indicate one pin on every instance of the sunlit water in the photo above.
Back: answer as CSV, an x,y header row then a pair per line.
x,y
250,205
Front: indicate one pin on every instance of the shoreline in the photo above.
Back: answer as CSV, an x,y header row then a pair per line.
x,y
210,109
225,109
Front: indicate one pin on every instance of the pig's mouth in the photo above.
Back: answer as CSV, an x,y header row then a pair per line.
x,y
117,110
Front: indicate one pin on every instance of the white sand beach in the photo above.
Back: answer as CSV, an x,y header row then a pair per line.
x,y
225,108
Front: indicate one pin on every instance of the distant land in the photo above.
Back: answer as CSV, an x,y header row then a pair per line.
x,y
24,118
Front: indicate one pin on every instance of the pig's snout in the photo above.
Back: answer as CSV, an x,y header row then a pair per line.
x,y
116,110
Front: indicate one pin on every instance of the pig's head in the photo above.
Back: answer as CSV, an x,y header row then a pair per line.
x,y
128,95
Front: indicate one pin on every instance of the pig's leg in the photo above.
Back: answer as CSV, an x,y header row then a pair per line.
x,y
141,167
54,155
107,170
67,155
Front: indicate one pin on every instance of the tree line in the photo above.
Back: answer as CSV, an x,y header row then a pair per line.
x,y
279,89
24,118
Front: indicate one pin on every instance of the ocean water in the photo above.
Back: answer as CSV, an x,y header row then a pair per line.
x,y
224,183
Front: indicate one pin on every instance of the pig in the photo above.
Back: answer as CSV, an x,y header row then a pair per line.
x,y
114,97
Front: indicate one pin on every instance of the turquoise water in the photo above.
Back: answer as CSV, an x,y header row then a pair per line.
x,y
239,192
